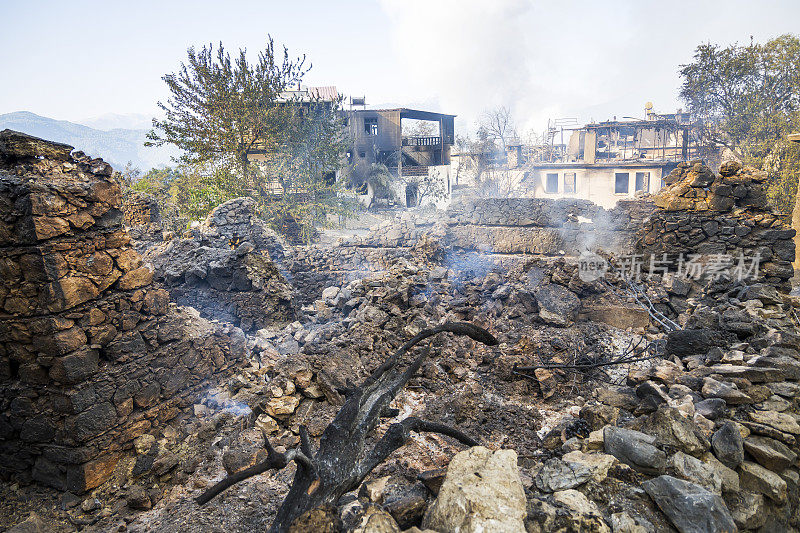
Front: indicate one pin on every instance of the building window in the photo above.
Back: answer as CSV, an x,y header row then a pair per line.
x,y
642,181
551,183
371,126
569,182
621,180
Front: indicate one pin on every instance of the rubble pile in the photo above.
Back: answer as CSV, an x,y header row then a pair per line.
x,y
92,354
669,402
709,215
227,268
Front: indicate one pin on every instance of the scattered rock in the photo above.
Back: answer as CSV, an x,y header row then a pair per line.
x,y
756,478
635,449
481,492
728,445
690,507
770,453
557,305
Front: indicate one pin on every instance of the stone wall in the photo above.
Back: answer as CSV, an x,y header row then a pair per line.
x,y
140,209
92,355
228,268
716,215
476,235
542,226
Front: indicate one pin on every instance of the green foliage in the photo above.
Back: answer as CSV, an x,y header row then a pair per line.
x,y
380,179
241,137
747,99
220,109
430,187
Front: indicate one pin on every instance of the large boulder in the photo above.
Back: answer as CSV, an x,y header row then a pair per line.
x,y
481,492
690,507
557,305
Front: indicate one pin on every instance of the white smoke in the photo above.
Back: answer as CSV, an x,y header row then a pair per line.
x,y
581,59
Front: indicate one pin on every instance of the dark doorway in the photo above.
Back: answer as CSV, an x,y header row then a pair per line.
x,y
411,195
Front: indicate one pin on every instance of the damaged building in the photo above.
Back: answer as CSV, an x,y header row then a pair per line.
x,y
608,161
378,137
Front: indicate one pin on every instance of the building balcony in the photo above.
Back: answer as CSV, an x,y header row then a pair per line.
x,y
434,141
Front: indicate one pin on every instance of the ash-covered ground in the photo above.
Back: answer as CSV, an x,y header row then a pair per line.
x,y
605,406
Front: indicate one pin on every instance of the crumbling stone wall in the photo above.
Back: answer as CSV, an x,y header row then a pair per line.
x,y
726,214
472,235
92,355
542,226
229,268
140,209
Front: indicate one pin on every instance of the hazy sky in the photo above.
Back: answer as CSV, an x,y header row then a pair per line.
x,y
584,59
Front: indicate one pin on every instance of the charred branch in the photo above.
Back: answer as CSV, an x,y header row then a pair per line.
x,y
342,462
594,366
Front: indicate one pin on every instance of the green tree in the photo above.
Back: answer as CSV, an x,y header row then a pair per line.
x,y
219,108
747,99
300,184
242,136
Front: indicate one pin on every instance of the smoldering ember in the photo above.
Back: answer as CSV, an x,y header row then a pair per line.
x,y
331,317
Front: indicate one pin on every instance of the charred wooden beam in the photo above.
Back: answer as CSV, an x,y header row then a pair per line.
x,y
342,463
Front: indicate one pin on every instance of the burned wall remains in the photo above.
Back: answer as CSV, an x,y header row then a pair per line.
x,y
708,217
92,355
140,209
474,235
229,268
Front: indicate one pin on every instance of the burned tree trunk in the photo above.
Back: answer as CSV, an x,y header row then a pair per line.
x,y
342,462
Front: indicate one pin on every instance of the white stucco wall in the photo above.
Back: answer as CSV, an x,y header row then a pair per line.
x,y
594,184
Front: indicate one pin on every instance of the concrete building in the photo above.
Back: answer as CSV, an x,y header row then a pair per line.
x,y
379,139
610,161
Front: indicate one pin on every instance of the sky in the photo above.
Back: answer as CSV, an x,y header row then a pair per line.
x,y
586,60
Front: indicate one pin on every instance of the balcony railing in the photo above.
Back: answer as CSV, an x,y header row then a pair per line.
x,y
422,141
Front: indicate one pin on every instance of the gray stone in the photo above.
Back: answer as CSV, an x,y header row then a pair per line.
x,y
711,408
781,421
693,469
725,391
672,430
770,453
94,421
756,478
728,445
747,509
690,507
32,524
557,305
557,475
635,449
729,477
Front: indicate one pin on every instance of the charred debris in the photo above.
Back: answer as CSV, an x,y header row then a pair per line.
x,y
453,370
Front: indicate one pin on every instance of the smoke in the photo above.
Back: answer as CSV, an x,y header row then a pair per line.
x,y
470,54
218,400
588,60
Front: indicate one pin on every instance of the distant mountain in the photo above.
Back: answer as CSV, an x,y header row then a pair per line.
x,y
117,146
116,121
